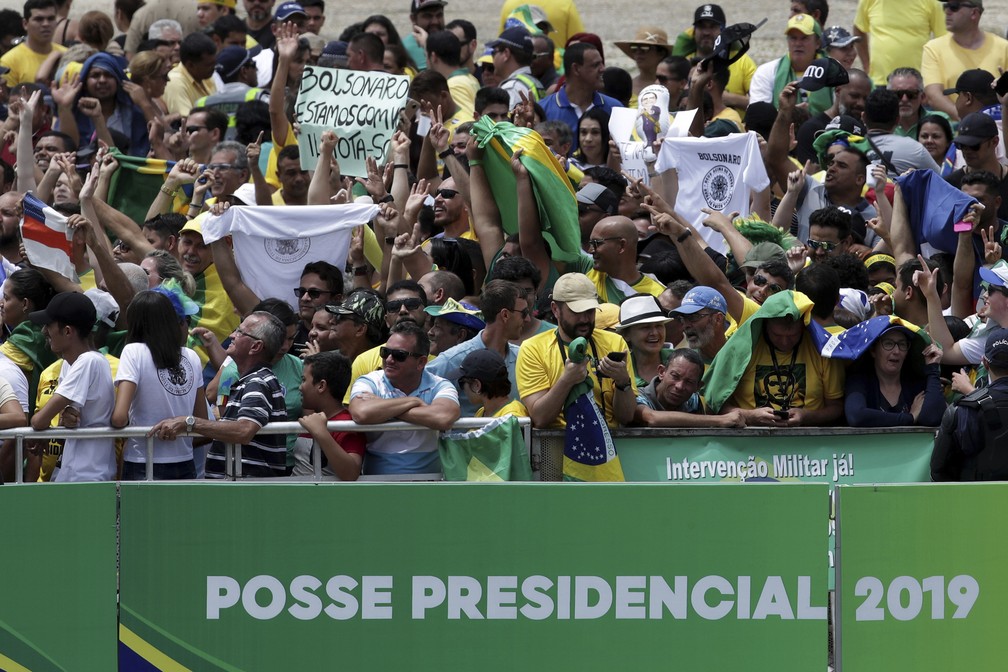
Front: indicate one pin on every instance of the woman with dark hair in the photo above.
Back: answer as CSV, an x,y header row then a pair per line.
x,y
380,25
158,378
935,132
25,353
449,256
593,139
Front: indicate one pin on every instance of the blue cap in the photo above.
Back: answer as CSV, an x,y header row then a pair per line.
x,y
289,9
996,348
515,39
702,297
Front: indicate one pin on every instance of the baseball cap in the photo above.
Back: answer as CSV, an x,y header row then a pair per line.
x,y
364,305
846,123
996,275
709,13
996,348
823,73
289,9
602,197
731,44
760,253
641,309
972,81
540,19
417,5
105,306
230,4
804,24
699,298
70,308
975,128
577,291
231,59
607,316
516,38
838,36
195,224
483,365
459,312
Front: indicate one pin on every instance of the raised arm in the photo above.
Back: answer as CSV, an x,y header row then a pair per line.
x,y
777,158
25,151
242,297
319,191
184,172
533,245
286,48
65,95
485,214
900,234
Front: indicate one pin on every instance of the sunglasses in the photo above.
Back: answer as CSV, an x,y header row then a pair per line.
x,y
123,247
763,281
397,354
967,148
956,6
690,319
446,194
396,305
906,93
585,208
194,129
595,243
820,245
312,293
639,48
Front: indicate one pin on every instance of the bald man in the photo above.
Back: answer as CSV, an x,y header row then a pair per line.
x,y
613,264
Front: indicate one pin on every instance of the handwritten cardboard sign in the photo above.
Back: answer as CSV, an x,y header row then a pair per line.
x,y
361,107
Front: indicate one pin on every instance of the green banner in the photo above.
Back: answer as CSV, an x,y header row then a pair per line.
x,y
921,582
58,611
462,576
837,459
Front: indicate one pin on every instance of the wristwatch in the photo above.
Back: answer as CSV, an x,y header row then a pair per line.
x,y
624,387
190,422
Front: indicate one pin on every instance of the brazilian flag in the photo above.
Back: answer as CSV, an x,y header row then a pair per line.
x,y
135,184
558,215
494,452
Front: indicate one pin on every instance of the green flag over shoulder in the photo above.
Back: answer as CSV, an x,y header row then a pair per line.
x,y
494,452
135,184
558,214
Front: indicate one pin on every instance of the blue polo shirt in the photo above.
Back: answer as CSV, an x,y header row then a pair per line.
x,y
558,107
446,363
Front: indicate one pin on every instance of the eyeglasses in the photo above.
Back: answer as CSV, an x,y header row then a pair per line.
x,y
595,243
541,54
640,48
823,245
194,129
967,148
239,330
906,93
956,6
396,305
763,281
888,345
446,194
121,246
396,354
312,293
488,67
585,208
690,319
526,313
220,166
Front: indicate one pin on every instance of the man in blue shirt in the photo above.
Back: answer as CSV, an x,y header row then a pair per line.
x,y
583,66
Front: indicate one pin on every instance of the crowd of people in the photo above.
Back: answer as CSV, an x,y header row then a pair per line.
x,y
805,242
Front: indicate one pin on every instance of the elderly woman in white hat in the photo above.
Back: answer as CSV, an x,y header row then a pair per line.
x,y
649,46
642,325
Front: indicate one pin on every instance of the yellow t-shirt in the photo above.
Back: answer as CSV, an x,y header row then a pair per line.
x,y
24,63
562,14
515,408
540,364
943,60
611,290
367,362
216,311
749,308
813,379
278,198
463,88
898,31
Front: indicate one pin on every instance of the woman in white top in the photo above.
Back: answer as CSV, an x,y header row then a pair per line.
x,y
158,378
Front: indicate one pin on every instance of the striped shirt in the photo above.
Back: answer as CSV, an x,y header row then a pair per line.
x,y
257,396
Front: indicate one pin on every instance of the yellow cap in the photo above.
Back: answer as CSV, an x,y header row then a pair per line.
x,y
230,4
804,23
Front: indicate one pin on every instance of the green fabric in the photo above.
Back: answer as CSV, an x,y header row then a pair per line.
x,y
819,101
724,373
134,186
827,138
684,45
577,352
29,339
495,452
554,195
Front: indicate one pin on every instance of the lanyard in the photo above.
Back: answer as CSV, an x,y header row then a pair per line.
x,y
783,374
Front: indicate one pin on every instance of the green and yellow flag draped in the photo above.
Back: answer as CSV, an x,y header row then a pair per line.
x,y
495,452
135,185
558,215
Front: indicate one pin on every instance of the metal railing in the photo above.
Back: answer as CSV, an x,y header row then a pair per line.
x,y
232,455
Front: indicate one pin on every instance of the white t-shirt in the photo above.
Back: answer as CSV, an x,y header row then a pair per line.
x,y
87,383
13,374
714,173
160,394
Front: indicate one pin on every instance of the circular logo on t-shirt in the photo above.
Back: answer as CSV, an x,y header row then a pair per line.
x,y
178,381
718,187
287,250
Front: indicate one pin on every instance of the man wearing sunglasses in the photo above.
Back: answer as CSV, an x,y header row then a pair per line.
x,y
451,212
703,314
978,140
965,46
404,390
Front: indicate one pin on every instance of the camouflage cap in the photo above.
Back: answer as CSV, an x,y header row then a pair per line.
x,y
363,304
